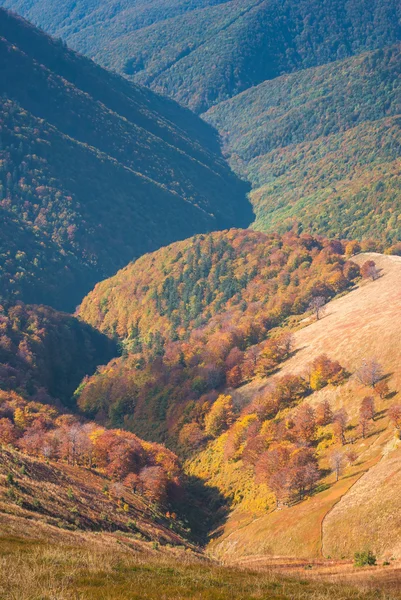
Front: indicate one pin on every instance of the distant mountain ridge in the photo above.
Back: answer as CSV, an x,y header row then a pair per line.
x,y
321,147
95,170
205,51
305,95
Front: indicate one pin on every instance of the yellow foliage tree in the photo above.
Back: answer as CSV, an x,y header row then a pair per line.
x,y
220,416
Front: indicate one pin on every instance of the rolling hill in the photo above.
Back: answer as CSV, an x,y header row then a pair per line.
x,y
225,394
205,51
190,315
95,171
320,147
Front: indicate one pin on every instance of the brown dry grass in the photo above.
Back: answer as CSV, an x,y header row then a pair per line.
x,y
34,571
386,578
74,499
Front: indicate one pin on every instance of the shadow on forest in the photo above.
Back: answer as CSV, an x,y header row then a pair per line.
x,y
204,508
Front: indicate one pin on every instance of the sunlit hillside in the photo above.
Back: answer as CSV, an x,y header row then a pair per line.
x,y
360,510
321,147
199,315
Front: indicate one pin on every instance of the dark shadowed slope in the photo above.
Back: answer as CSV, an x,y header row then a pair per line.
x,y
44,354
95,171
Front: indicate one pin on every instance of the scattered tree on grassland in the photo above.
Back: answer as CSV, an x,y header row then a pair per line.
x,y
370,372
305,424
289,471
394,413
254,447
324,371
280,484
369,270
289,388
337,463
324,413
340,423
382,388
274,351
366,414
238,434
351,270
368,407
265,404
351,456
318,306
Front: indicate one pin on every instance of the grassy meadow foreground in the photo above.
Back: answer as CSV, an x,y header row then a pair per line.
x,y
117,553
111,567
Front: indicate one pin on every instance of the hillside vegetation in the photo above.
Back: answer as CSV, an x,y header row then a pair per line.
x,y
95,171
305,95
44,354
320,147
260,392
206,51
340,513
120,462
197,315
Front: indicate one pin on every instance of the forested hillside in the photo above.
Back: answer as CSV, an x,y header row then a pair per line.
x,y
62,478
321,147
305,95
95,171
278,394
317,473
44,354
205,51
199,315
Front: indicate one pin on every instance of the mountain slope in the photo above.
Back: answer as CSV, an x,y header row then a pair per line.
x,y
359,326
44,354
203,52
95,170
190,315
225,428
320,147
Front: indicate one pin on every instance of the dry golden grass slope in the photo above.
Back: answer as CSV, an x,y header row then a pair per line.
x,y
361,510
47,501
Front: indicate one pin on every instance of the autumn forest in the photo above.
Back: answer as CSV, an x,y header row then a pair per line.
x,y
200,272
